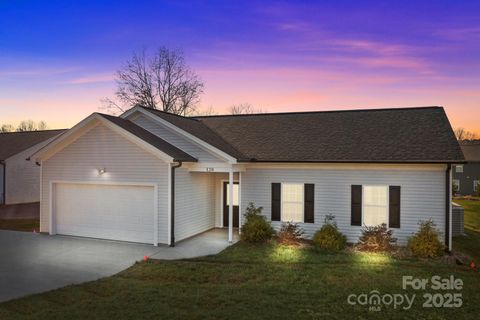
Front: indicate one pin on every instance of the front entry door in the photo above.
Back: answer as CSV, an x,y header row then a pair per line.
x,y
226,198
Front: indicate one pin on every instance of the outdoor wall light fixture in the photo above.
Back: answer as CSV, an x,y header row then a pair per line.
x,y
102,171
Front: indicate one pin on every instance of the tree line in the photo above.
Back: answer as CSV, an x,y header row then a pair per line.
x,y
25,125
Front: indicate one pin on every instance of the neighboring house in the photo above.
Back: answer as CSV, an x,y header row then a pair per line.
x,y
154,177
466,177
19,178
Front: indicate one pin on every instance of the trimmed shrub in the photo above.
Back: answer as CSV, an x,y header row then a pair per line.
x,y
290,234
328,237
376,239
256,228
426,242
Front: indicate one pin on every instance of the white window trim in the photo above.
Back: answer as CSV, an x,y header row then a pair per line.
x,y
281,202
387,205
457,167
476,183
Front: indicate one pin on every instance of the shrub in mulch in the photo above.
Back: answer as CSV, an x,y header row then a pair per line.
x,y
290,234
377,239
329,237
425,243
256,228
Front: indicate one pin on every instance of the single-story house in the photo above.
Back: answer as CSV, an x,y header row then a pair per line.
x,y
20,179
466,177
154,177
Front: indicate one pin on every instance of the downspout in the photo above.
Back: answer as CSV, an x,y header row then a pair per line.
x,y
4,177
448,190
172,206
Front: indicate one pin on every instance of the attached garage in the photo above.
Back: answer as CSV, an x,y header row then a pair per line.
x,y
124,212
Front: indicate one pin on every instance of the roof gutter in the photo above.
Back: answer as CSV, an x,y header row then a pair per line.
x,y
4,178
358,161
172,206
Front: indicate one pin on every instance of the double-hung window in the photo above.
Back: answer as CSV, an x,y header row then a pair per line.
x,y
292,202
375,205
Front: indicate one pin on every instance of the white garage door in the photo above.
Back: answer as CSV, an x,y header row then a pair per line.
x,y
117,212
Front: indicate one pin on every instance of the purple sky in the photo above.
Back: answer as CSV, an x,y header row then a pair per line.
x,y
57,59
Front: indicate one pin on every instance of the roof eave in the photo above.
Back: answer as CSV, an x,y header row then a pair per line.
x,y
359,161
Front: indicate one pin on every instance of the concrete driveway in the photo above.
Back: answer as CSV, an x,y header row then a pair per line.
x,y
33,263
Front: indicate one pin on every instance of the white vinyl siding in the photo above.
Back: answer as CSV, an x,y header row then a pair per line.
x,y
423,192
375,205
292,202
124,162
175,139
194,203
23,176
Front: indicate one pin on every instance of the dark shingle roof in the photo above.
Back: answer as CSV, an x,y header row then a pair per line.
x,y
201,131
419,134
471,152
12,143
150,138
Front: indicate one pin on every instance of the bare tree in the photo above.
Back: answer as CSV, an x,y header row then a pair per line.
x,y
29,125
463,134
6,128
163,82
210,111
244,108
42,125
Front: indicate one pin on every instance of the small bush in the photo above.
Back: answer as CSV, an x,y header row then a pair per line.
x,y
376,239
290,234
328,237
256,228
426,242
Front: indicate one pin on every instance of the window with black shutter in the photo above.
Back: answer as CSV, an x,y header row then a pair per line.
x,y
309,203
276,201
394,207
356,214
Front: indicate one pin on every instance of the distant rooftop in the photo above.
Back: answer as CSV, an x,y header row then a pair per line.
x,y
12,143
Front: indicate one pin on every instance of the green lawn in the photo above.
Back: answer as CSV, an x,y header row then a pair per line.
x,y
265,281
20,224
469,244
472,213
250,282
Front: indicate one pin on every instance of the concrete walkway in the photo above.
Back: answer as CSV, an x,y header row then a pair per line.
x,y
33,263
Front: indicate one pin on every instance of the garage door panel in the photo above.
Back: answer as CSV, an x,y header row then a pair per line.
x,y
120,212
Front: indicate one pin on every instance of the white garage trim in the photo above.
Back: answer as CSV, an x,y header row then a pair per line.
x,y
52,229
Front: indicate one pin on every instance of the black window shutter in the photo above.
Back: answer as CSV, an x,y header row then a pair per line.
x,y
394,207
356,218
309,199
276,200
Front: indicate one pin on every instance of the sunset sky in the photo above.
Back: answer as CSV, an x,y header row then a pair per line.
x,y
58,58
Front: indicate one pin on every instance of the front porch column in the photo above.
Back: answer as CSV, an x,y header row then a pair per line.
x,y
230,206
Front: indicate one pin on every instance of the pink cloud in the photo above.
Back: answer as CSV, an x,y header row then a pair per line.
x,y
94,78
